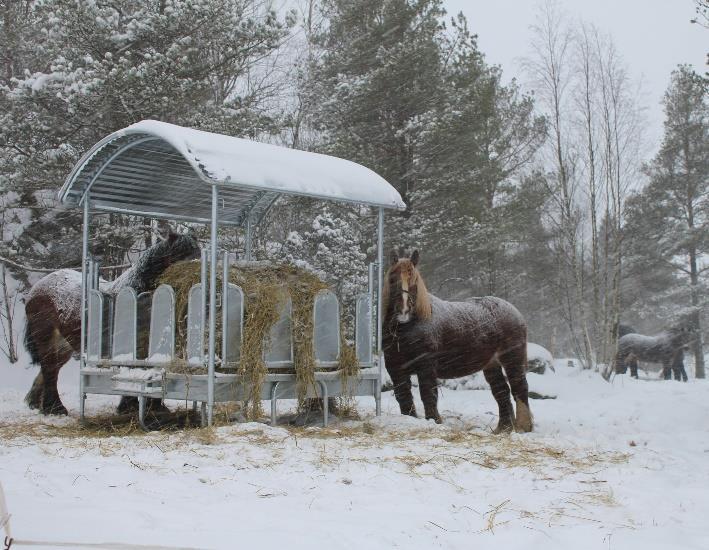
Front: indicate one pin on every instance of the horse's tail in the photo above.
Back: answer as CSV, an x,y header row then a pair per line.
x,y
30,343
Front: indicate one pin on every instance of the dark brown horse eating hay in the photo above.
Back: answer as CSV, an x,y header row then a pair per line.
x,y
434,339
53,310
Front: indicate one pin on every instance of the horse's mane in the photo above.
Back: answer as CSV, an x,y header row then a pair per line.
x,y
422,307
151,263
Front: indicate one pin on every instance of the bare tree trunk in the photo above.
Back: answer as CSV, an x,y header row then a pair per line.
x,y
588,61
7,318
695,318
620,138
603,140
550,68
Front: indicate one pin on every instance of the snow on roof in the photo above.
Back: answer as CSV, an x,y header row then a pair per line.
x,y
141,167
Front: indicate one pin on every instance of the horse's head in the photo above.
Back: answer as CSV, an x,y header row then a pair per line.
x,y
175,248
682,335
404,294
159,257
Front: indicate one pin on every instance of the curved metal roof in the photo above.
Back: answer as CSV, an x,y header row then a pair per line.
x,y
166,171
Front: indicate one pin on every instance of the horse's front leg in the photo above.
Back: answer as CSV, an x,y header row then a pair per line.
x,y
402,391
428,387
634,367
667,370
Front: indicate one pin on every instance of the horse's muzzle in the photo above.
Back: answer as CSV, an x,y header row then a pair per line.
x,y
403,318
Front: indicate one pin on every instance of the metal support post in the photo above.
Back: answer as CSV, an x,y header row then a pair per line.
x,y
203,280
380,312
225,306
247,244
84,290
274,404
95,278
212,304
372,309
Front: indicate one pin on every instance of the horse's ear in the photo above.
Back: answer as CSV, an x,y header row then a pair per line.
x,y
393,257
415,258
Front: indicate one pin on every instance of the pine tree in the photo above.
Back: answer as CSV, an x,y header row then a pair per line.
x,y
93,68
484,133
397,91
669,220
332,247
377,82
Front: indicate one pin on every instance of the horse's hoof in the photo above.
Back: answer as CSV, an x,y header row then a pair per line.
x,y
56,409
127,405
523,422
156,406
503,428
33,403
437,419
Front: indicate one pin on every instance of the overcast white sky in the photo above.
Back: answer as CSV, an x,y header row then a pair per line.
x,y
653,36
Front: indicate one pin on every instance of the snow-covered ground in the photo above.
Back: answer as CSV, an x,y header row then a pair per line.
x,y
609,466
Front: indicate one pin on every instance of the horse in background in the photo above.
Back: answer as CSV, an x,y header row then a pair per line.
x,y
53,314
666,348
621,329
433,338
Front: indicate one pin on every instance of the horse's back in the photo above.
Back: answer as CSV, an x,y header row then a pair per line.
x,y
487,315
468,335
644,348
60,291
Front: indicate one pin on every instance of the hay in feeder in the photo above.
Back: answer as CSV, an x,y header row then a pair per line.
x,y
348,365
266,288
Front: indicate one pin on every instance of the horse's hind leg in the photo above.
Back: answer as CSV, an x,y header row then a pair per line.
x,y
678,367
34,396
514,362
51,350
620,366
51,403
501,392
50,364
682,371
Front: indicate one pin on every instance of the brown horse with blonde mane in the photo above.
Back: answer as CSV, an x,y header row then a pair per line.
x,y
435,339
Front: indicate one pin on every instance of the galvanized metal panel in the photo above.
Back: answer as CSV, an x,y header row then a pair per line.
x,y
279,349
233,332
162,325
363,329
95,326
124,325
326,327
195,326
